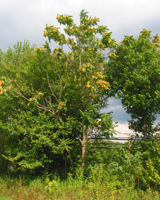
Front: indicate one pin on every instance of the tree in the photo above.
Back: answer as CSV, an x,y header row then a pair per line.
x,y
134,76
34,141
69,88
87,74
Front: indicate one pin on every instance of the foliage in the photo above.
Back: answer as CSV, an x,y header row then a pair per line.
x,y
134,76
105,187
140,167
54,98
11,62
50,106
33,141
150,162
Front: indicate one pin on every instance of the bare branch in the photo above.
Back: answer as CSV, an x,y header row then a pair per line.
x,y
51,88
50,103
79,139
40,106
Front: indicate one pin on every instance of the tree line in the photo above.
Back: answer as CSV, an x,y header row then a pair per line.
x,y
50,99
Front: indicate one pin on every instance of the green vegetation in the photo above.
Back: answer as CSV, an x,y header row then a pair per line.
x,y
50,106
4,198
134,74
98,185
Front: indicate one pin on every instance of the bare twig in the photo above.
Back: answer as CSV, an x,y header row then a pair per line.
x,y
50,103
51,88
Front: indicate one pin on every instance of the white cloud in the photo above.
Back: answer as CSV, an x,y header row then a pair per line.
x,y
123,128
115,108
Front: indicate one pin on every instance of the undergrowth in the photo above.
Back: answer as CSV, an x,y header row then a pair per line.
x,y
98,184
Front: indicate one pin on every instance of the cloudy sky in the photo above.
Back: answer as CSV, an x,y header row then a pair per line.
x,y
26,19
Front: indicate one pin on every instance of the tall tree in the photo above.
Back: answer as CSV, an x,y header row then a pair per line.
x,y
134,74
86,93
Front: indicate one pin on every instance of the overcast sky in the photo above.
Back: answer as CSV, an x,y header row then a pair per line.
x,y
26,19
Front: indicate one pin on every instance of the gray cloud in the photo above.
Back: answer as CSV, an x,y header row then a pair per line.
x,y
119,114
22,19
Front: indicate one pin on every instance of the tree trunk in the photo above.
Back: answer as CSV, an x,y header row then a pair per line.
x,y
84,146
71,160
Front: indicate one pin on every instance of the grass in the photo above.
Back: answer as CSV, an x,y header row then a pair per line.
x,y
72,188
4,198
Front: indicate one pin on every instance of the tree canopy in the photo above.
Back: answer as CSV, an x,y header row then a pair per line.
x,y
134,75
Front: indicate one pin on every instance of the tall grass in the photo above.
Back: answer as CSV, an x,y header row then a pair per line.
x,y
97,185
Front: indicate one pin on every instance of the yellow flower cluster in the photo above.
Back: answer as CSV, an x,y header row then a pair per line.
x,y
63,17
32,99
45,33
1,82
54,29
112,55
96,19
39,94
88,84
109,41
81,34
59,17
1,89
106,32
103,84
100,75
94,77
83,69
51,28
66,28
156,40
87,65
38,49
96,96
61,104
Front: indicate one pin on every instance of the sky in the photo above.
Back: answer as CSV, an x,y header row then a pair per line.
x,y
26,19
